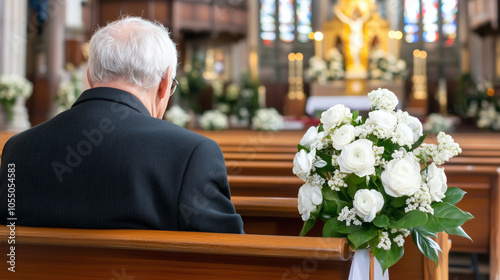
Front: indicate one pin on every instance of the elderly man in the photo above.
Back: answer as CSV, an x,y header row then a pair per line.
x,y
111,161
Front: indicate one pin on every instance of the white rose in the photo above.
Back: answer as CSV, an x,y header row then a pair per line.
x,y
401,177
303,162
357,158
367,203
403,135
343,136
416,127
383,119
436,181
335,116
309,137
308,199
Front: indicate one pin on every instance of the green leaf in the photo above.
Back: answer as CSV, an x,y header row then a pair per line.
x,y
308,225
409,220
354,179
450,216
426,232
453,195
334,228
327,158
381,221
300,147
355,115
398,202
352,189
427,246
419,141
457,231
320,128
361,237
334,204
384,257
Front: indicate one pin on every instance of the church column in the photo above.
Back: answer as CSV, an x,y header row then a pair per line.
x,y
463,30
323,8
253,37
13,36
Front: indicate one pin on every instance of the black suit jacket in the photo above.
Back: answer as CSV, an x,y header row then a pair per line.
x,y
106,163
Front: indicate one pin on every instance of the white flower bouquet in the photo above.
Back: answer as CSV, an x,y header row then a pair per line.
x,y
386,67
326,70
267,119
177,116
69,89
372,181
436,123
12,87
214,120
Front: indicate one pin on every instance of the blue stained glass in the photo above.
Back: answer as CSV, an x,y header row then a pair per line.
x,y
449,10
267,20
287,20
411,18
304,20
429,19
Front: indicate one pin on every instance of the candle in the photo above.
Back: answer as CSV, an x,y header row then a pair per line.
x,y
423,56
298,77
262,96
291,76
318,44
254,60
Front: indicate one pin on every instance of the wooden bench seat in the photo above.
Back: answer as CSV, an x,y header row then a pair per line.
x,y
54,253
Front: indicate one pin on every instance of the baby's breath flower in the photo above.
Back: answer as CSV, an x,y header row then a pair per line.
x,y
385,242
337,181
349,216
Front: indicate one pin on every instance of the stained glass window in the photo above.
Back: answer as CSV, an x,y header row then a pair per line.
x,y
449,10
267,21
430,20
411,18
304,20
287,20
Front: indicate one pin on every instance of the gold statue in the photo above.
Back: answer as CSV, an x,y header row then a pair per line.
x,y
357,28
356,40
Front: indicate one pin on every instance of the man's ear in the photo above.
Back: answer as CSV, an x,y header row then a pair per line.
x,y
163,88
88,79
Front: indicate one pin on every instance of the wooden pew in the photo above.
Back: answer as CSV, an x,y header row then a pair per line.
x,y
55,253
482,200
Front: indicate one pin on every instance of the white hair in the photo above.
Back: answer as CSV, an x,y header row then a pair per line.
x,y
133,50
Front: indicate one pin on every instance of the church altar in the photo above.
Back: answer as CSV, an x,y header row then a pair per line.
x,y
325,95
356,33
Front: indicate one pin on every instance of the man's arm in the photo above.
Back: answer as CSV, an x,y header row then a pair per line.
x,y
204,199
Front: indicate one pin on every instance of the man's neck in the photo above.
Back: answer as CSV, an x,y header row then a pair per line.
x,y
141,94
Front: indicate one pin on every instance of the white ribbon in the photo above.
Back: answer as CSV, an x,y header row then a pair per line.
x,y
360,267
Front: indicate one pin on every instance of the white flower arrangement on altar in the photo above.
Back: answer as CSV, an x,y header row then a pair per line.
x,y
267,119
488,116
214,120
386,67
436,123
372,181
177,116
12,87
331,69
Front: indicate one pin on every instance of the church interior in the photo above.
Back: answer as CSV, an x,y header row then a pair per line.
x,y
254,76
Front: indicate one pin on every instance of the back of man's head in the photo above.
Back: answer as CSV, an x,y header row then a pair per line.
x,y
131,50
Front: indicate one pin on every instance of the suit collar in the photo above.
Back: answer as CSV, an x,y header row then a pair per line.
x,y
113,95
